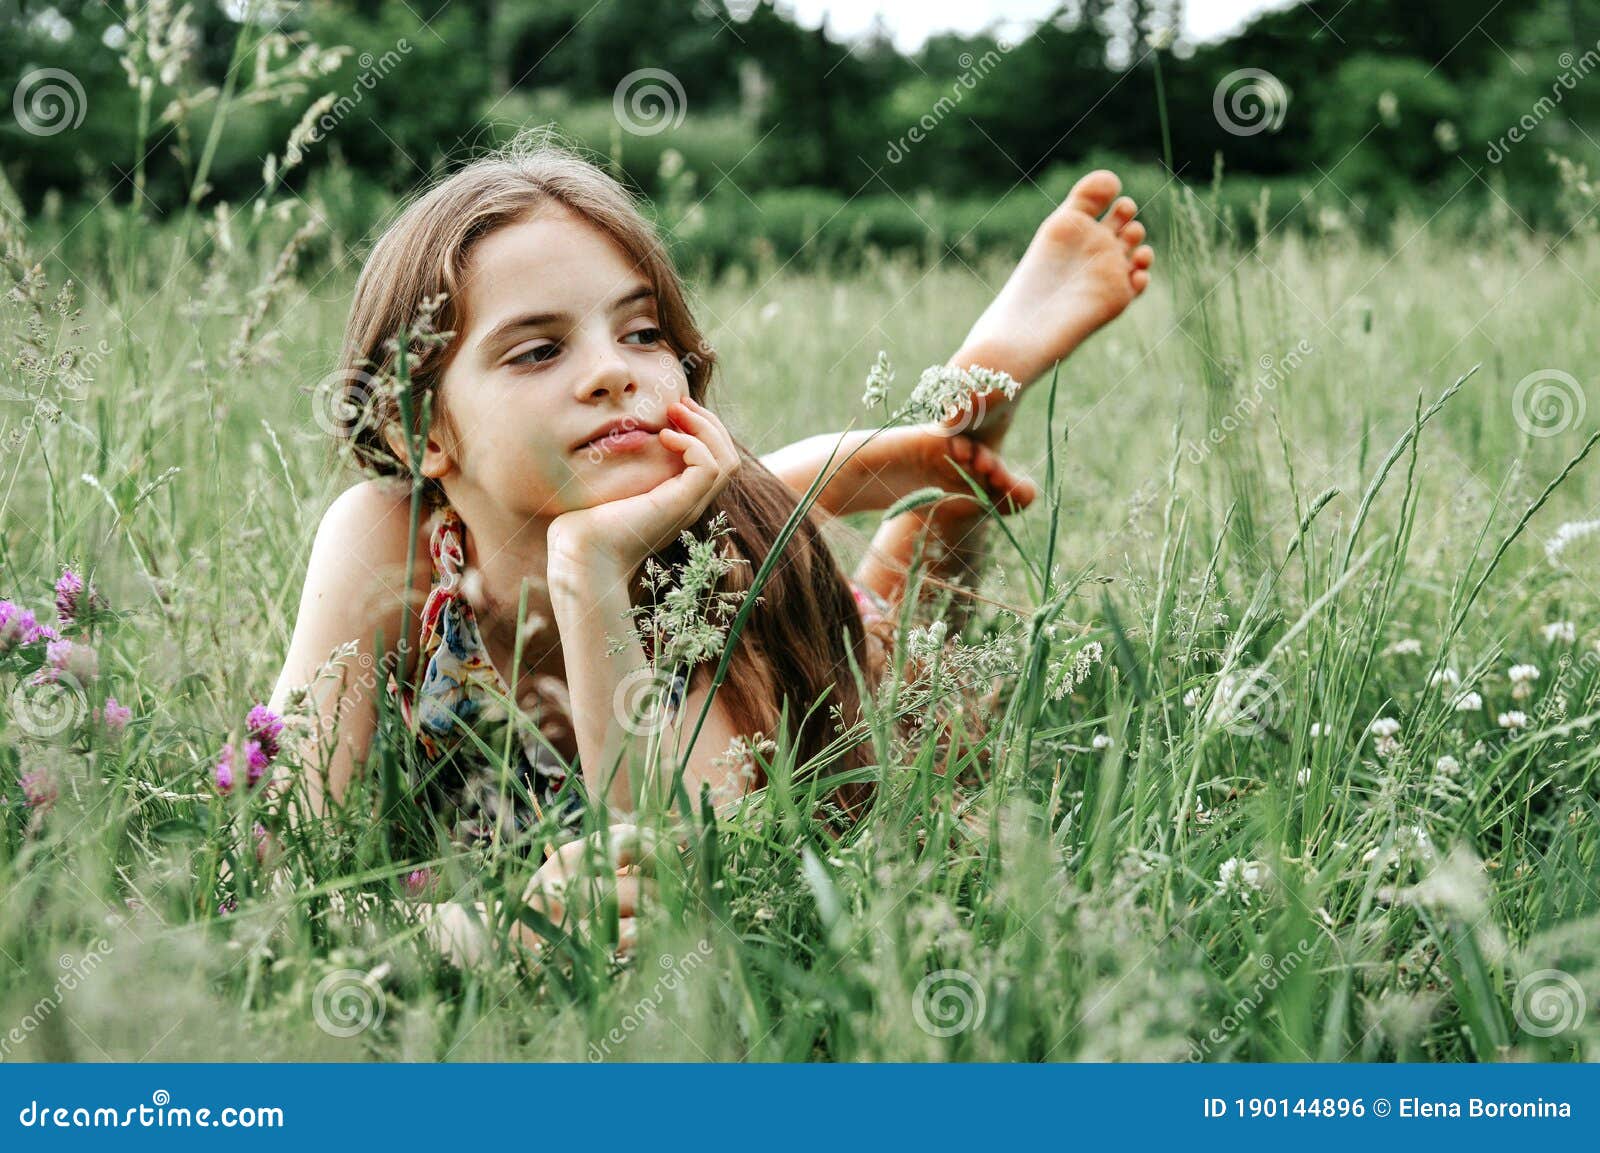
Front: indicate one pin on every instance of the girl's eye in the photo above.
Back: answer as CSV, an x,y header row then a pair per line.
x,y
535,355
646,335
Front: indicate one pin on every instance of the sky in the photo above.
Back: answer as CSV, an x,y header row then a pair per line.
x,y
913,21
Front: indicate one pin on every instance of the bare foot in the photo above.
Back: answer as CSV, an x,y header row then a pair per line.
x,y
899,461
1084,266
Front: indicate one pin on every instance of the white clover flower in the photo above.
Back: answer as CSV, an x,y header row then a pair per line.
x,y
1469,702
1447,677
1192,698
879,377
1303,777
1409,647
1522,678
1560,632
1386,747
1565,535
1515,719
1384,727
1414,839
1239,878
1447,766
1318,729
1102,741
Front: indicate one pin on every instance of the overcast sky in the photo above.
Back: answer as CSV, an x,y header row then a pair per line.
x,y
912,21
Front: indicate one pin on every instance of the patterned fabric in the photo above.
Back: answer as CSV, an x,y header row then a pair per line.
x,y
463,700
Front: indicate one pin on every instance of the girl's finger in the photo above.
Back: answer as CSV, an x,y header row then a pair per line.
x,y
708,428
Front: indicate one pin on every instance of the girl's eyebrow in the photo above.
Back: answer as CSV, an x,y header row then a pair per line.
x,y
534,319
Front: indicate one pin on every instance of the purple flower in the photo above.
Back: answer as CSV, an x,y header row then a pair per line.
x,y
265,726
418,881
76,659
226,906
18,626
115,717
69,587
39,789
263,841
223,773
256,762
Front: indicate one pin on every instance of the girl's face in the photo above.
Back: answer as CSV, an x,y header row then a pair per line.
x,y
563,378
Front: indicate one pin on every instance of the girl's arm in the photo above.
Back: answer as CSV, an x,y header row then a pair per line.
x,y
354,604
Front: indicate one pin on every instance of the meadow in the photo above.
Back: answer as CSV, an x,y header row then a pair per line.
x,y
1268,734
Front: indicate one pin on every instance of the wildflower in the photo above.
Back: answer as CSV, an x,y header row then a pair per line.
x,y
256,762
1384,727
226,906
265,727
1082,664
1239,878
1515,719
1414,841
1191,698
39,789
227,768
1469,702
1386,747
1318,729
19,627
1560,632
114,716
1522,678
1567,534
1409,647
418,881
1447,677
74,658
263,841
69,587
944,393
1102,741
1447,766
879,377
1303,777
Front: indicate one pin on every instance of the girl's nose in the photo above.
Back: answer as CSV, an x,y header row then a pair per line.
x,y
609,377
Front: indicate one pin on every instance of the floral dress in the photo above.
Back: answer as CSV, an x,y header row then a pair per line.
x,y
462,714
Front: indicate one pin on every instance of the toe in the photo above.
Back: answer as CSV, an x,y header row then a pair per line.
x,y
1140,279
1022,493
1122,211
1132,234
960,449
1094,192
1143,256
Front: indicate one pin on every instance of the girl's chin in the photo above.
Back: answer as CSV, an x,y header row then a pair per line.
x,y
632,475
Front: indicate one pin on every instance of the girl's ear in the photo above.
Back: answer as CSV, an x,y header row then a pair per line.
x,y
436,457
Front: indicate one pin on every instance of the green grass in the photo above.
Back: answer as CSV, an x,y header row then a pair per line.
x,y
1037,897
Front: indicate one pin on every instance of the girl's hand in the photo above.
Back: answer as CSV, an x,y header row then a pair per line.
x,y
581,873
624,532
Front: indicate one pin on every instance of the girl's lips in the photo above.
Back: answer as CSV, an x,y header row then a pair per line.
x,y
623,440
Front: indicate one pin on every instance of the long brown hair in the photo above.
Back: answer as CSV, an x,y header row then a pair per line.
x,y
796,647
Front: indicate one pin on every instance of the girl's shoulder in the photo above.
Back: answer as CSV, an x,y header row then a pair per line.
x,y
360,560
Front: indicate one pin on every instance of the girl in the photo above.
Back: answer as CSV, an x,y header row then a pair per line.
x,y
566,442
